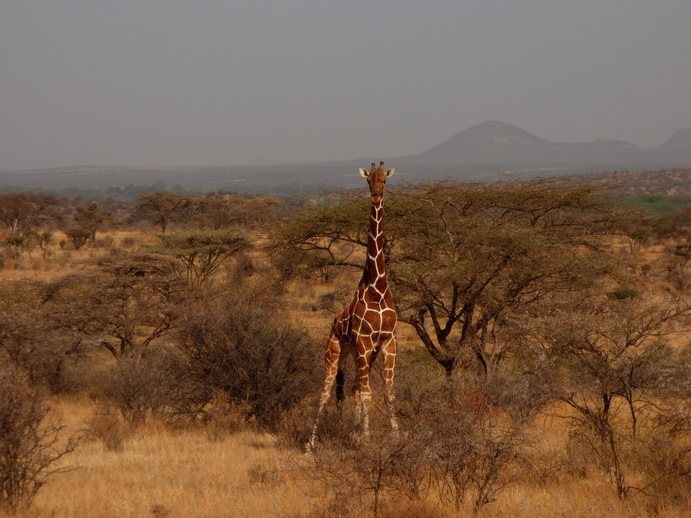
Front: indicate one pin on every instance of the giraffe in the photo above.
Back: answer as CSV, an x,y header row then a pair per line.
x,y
366,326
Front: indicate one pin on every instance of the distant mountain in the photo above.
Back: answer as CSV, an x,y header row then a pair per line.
x,y
497,143
676,148
476,154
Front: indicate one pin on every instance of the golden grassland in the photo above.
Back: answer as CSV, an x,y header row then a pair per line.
x,y
164,472
63,259
181,472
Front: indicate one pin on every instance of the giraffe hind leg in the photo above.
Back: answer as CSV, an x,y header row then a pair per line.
x,y
373,356
332,360
340,381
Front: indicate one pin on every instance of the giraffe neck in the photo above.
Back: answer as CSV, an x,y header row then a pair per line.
x,y
375,267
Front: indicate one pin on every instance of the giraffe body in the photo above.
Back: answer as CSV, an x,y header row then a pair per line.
x,y
366,326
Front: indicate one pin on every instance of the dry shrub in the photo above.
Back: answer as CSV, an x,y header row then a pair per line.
x,y
448,448
160,511
541,464
223,418
106,242
294,426
663,453
580,456
413,509
109,430
371,473
342,505
235,347
473,446
31,441
128,242
338,427
262,475
155,386
78,236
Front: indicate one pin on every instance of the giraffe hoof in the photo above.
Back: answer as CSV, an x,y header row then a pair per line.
x,y
310,446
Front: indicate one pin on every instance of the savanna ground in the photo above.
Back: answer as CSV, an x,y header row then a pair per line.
x,y
595,427
163,472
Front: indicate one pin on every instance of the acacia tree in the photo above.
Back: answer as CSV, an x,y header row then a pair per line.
x,y
201,253
482,255
78,236
224,211
35,337
464,260
162,207
91,218
21,212
613,362
122,304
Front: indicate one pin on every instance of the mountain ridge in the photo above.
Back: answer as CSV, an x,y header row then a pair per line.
x,y
475,154
495,142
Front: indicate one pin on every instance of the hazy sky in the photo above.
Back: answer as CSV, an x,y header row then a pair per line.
x,y
229,82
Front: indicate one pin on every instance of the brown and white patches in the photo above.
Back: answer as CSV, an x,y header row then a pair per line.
x,y
367,324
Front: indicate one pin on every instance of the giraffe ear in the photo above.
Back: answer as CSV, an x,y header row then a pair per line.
x,y
389,172
363,172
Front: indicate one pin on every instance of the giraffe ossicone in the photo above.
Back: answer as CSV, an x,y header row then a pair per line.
x,y
366,326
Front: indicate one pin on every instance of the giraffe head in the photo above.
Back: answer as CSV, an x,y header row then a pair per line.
x,y
376,178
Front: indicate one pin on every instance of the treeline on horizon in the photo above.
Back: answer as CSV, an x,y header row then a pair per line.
x,y
129,192
646,191
638,189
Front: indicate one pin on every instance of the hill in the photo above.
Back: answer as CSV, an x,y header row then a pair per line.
x,y
498,143
480,153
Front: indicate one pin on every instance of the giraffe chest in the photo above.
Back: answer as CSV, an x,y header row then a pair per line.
x,y
367,316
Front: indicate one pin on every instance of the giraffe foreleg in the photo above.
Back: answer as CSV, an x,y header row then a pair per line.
x,y
389,354
364,392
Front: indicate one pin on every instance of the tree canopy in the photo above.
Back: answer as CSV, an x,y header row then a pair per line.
x,y
463,259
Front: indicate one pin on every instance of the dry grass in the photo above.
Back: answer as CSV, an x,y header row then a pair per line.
x,y
180,473
162,472
63,259
585,498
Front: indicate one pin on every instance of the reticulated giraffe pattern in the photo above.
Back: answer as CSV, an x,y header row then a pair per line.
x,y
366,326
